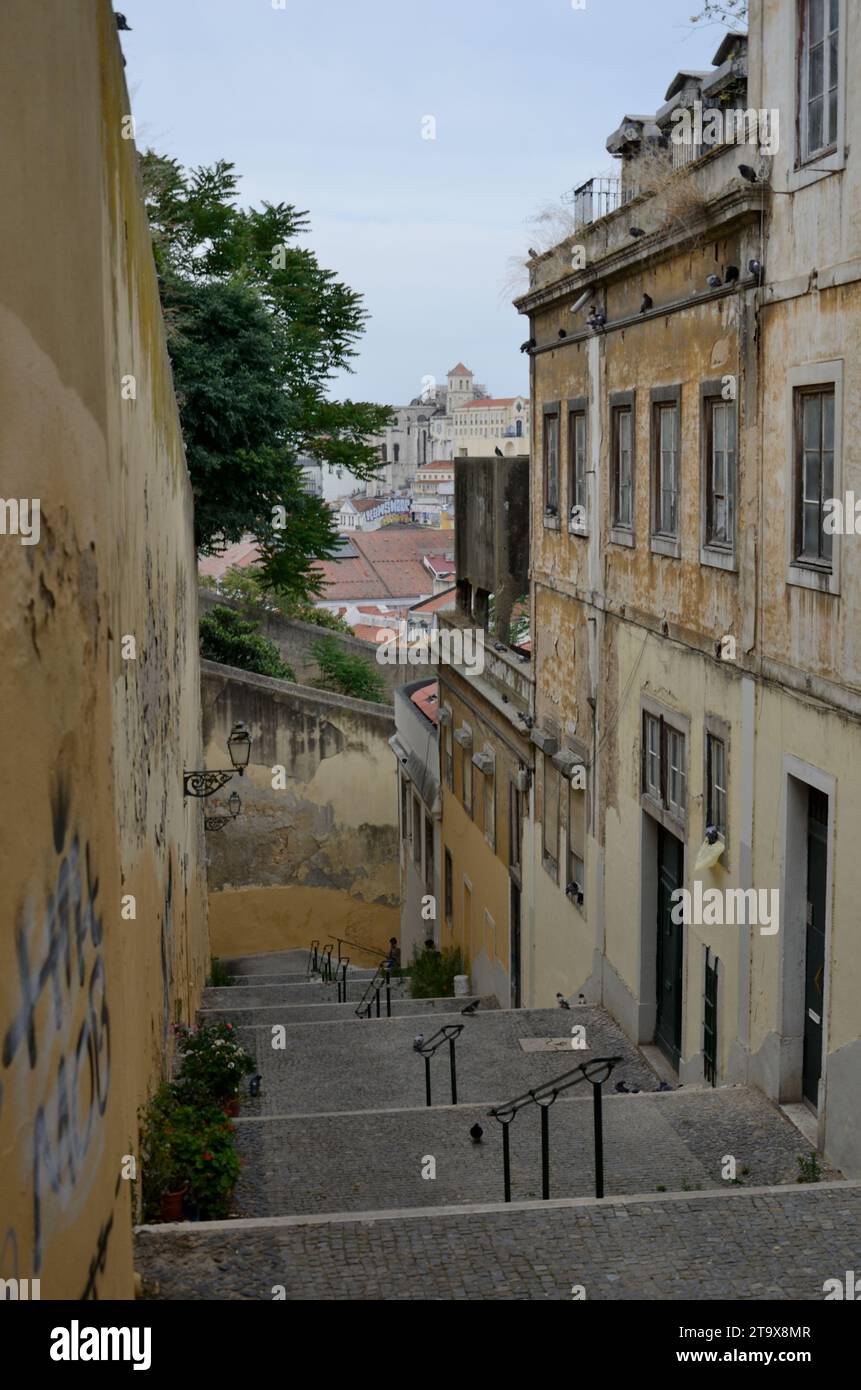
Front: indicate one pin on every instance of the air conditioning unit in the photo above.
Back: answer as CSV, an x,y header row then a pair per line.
x,y
522,779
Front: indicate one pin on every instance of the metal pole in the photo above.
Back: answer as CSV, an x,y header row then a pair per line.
x,y
599,1139
506,1161
453,1071
388,995
378,1001
545,1152
427,1081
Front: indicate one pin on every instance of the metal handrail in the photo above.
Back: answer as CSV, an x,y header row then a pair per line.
x,y
326,961
360,946
381,977
341,982
449,1033
312,958
596,1072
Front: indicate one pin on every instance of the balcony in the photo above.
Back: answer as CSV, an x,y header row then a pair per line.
x,y
596,198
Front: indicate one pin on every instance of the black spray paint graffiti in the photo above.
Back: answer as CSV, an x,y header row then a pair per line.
x,y
68,1075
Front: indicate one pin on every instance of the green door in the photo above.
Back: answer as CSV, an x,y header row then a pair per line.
x,y
814,956
668,1023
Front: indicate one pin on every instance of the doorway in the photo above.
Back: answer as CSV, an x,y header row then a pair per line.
x,y
670,948
814,943
514,964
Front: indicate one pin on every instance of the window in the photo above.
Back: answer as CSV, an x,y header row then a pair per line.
x,y
575,878
716,784
820,76
551,461
665,468
515,826
551,817
405,809
814,474
396,452
664,767
622,426
720,472
490,809
417,830
577,466
466,764
429,856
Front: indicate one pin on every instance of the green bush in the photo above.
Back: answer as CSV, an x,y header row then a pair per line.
x,y
227,637
346,672
213,1063
246,586
190,1148
432,972
219,974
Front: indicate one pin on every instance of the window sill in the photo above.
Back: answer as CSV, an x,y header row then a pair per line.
x,y
621,535
807,577
580,531
670,546
551,523
718,559
550,867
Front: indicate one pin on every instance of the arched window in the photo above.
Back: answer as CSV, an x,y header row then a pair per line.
x,y
383,455
396,452
518,428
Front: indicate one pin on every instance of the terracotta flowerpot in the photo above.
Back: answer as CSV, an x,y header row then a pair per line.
x,y
170,1205
231,1107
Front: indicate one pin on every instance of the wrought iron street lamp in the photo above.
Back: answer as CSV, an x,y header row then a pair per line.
x,y
204,783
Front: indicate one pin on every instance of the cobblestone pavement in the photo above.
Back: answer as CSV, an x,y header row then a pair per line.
x,y
293,977
371,1065
346,1013
740,1245
230,998
364,1162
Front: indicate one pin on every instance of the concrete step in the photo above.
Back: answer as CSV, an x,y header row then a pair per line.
x,y
230,997
299,977
372,1064
263,1016
733,1244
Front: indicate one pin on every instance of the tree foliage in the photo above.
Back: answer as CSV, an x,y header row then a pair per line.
x,y
248,587
256,329
346,672
731,12
227,637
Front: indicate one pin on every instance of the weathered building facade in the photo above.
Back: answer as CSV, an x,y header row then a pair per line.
x,y
695,404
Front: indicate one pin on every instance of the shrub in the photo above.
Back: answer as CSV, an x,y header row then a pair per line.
x,y
219,974
213,1063
186,1147
432,972
346,672
246,586
227,637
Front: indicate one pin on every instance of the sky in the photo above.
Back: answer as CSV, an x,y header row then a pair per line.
x,y
323,104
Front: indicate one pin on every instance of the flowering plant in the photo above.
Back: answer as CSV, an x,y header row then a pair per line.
x,y
213,1063
189,1148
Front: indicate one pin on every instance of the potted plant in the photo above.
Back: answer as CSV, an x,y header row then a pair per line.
x,y
213,1065
188,1158
162,1179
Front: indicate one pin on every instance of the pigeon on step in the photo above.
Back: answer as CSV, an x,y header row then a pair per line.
x,y
475,1133
562,1002
418,1042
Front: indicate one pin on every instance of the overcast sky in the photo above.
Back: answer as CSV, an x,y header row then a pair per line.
x,y
321,104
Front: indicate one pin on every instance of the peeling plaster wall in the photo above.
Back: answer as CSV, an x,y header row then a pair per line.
x,y
95,743
317,857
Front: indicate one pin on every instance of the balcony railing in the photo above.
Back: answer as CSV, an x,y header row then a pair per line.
x,y
596,197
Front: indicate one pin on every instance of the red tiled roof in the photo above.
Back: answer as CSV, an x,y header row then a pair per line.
x,y
241,554
426,698
481,405
373,632
441,463
440,565
460,370
440,603
389,564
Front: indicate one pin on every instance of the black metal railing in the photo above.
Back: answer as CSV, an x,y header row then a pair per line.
x,y
381,980
710,1017
313,959
341,978
360,946
449,1033
326,962
597,1071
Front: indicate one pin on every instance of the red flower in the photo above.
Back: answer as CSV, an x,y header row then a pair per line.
x,y
230,1026
207,1156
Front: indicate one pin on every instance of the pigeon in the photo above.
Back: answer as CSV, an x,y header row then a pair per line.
x,y
730,274
636,231
254,1085
596,320
471,1008
755,268
533,253
498,451
714,281
418,1042
562,333
581,998
123,24
621,1088
646,304
747,173
562,1002
475,1133
528,345
665,1086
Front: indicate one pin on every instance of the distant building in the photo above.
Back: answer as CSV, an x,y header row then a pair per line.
x,y
415,746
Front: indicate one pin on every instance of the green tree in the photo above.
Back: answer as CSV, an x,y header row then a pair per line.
x,y
246,586
346,672
256,329
227,637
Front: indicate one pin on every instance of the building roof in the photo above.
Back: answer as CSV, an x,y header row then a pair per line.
x,y
485,404
388,564
440,463
460,370
439,603
439,564
426,699
365,504
242,554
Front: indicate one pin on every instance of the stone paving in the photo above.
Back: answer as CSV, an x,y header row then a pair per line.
x,y
332,1013
739,1245
362,1162
229,999
329,1067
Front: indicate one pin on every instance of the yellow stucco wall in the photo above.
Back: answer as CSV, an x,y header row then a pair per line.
x,y
95,743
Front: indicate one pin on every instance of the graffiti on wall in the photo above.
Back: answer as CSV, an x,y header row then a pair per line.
x,y
56,1051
